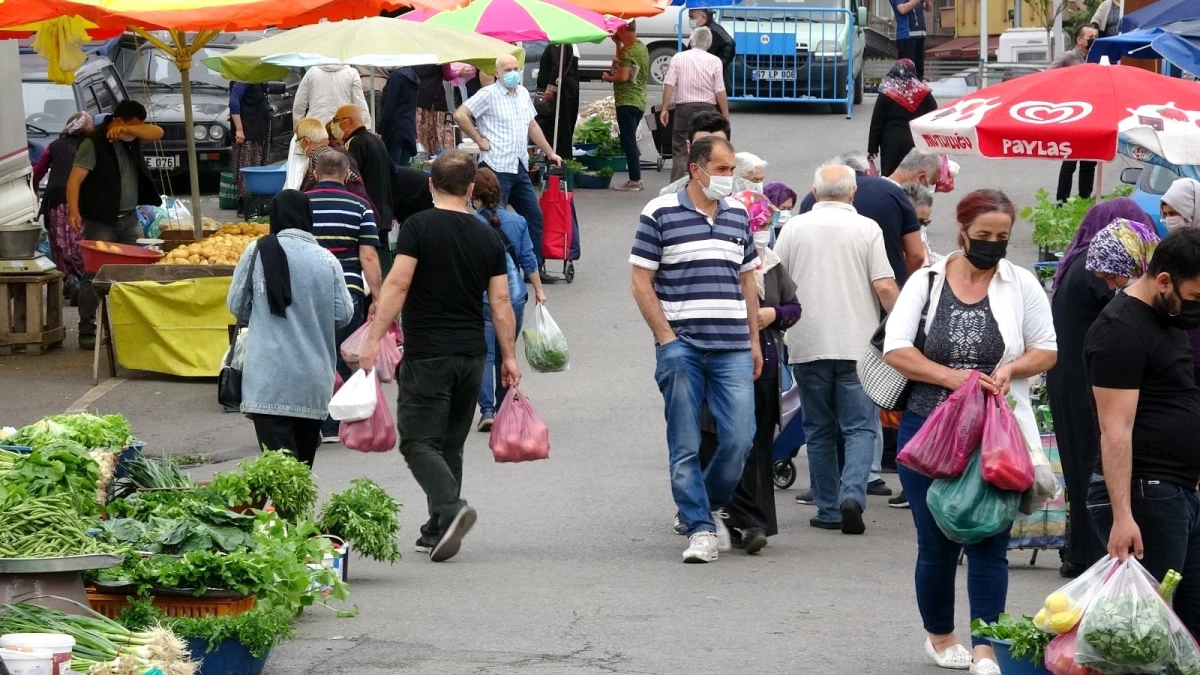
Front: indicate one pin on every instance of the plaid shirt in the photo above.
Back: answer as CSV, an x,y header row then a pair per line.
x,y
503,119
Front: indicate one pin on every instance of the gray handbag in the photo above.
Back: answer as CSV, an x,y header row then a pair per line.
x,y
883,384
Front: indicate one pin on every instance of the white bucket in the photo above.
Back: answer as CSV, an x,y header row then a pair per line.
x,y
28,663
58,644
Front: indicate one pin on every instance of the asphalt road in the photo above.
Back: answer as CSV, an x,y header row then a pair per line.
x,y
572,567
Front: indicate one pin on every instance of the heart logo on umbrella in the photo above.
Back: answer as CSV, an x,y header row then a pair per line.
x,y
1043,112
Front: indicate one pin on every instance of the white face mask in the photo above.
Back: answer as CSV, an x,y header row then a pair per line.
x,y
719,187
1174,222
756,187
783,218
762,239
691,23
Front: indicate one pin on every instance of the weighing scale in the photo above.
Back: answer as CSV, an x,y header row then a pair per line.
x,y
38,264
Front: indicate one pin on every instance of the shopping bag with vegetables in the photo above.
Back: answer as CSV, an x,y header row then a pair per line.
x,y
1060,656
943,446
545,345
356,399
968,509
519,434
376,433
1004,454
1064,608
1127,627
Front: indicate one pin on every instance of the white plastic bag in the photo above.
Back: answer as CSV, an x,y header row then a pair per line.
x,y
178,214
545,345
1045,483
297,166
356,400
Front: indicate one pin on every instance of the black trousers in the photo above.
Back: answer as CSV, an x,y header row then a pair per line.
x,y
434,415
300,435
1066,175
753,503
913,48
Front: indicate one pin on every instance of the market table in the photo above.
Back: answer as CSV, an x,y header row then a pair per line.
x,y
33,578
176,314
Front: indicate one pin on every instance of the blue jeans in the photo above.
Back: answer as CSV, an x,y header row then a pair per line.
x,y
628,119
834,400
937,557
493,390
516,190
1169,517
400,155
687,378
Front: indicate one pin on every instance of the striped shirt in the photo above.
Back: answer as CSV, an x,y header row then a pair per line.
x,y
342,222
697,77
698,262
503,118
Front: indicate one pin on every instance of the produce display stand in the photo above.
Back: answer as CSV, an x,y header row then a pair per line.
x,y
116,274
110,599
31,312
30,578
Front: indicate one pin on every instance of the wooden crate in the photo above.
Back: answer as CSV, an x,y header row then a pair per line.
x,y
186,606
31,308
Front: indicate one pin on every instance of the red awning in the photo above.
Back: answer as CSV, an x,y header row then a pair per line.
x,y
962,48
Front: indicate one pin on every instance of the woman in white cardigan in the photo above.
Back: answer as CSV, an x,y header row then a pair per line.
x,y
989,315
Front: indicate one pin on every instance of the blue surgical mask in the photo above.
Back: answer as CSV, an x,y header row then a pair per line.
x,y
512,79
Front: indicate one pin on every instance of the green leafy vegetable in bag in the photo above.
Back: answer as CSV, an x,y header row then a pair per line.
x,y
1124,632
1184,657
545,345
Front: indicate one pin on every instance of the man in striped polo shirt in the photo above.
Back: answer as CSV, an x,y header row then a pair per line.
x,y
693,279
345,225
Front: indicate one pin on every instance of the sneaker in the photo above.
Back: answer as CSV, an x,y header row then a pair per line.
x,y
679,527
879,488
486,422
825,524
447,547
852,520
702,548
753,539
87,342
900,501
330,439
422,547
723,541
630,186
806,498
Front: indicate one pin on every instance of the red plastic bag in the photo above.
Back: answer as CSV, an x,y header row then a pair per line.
x,y
519,434
945,443
377,433
389,350
1060,656
1004,453
337,381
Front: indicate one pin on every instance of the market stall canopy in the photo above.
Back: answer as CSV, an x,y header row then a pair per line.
x,y
524,21
625,9
1066,113
378,41
1178,43
1161,13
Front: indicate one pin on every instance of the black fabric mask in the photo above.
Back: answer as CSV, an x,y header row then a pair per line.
x,y
984,254
1089,43
1187,317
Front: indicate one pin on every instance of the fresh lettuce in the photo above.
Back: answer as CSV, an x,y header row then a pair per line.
x,y
90,431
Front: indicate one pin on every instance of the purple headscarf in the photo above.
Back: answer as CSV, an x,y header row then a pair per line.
x,y
1098,217
779,193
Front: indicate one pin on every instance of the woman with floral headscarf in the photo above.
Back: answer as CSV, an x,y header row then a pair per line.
x,y
903,97
1120,253
58,160
1079,296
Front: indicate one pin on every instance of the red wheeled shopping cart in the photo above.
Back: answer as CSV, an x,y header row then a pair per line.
x,y
559,232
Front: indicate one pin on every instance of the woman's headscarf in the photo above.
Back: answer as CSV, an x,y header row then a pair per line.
x,y
1097,218
779,193
902,85
1184,197
290,209
79,124
1122,248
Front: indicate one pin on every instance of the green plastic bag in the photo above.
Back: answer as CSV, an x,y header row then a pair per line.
x,y
968,509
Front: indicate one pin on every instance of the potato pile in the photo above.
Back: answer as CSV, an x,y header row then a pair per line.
x,y
223,248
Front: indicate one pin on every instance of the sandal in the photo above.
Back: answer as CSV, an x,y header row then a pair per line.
x,y
985,667
953,658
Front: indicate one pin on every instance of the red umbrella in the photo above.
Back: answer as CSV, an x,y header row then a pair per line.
x,y
1062,114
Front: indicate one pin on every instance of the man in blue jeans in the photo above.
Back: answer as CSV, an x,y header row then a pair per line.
x,y
837,259
500,118
1143,497
693,279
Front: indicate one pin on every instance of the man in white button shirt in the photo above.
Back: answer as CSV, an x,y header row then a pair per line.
x,y
500,118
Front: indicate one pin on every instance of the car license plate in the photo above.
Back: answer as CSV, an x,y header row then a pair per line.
x,y
778,75
163,162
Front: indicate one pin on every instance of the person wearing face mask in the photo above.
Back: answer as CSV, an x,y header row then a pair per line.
x,y
1080,294
1085,35
985,314
752,168
695,295
312,140
843,279
1143,498
501,119
783,200
723,46
107,182
374,164
1180,204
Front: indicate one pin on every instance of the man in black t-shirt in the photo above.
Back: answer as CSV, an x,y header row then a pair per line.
x,y
1143,497
445,259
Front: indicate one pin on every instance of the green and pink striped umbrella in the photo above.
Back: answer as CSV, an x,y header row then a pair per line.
x,y
525,21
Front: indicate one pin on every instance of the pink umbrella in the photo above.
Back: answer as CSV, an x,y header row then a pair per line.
x,y
525,21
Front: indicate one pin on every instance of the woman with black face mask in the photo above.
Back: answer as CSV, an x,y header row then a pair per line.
x,y
985,314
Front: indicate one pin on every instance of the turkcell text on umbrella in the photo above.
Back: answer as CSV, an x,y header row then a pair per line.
x,y
952,142
1022,148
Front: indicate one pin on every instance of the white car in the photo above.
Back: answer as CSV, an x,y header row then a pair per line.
x,y
659,35
966,81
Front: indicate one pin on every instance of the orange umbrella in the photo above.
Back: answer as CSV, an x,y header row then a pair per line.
x,y
624,9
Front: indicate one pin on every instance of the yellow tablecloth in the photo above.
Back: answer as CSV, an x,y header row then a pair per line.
x,y
179,328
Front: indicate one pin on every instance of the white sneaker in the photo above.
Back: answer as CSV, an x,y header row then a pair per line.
x,y
702,548
723,541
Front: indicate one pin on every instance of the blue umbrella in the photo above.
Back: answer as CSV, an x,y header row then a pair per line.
x,y
1136,43
1161,13
1180,49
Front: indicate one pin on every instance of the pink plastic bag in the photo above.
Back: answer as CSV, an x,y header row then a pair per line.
x,y
1060,656
389,350
519,433
377,433
945,443
1004,455
337,381
872,168
352,346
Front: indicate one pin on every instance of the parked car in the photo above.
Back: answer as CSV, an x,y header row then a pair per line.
x,y
153,78
966,81
48,105
658,33
1150,183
